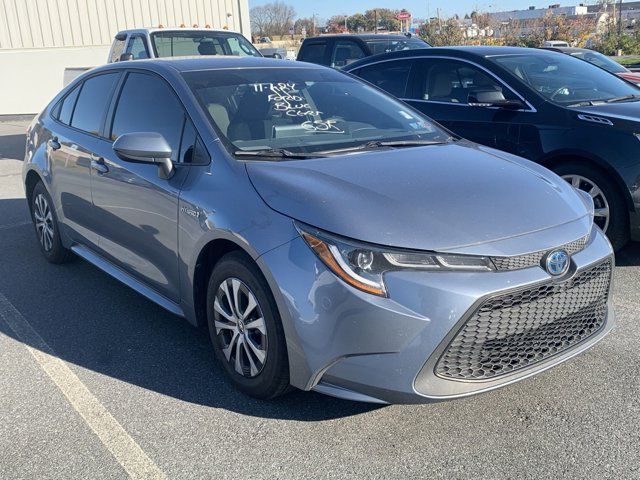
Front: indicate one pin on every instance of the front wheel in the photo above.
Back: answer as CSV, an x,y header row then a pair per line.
x,y
610,214
245,328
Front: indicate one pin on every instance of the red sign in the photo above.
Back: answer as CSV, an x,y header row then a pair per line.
x,y
403,16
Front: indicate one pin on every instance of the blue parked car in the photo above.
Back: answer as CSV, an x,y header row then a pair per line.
x,y
331,237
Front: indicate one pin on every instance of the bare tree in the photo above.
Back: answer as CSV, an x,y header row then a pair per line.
x,y
272,19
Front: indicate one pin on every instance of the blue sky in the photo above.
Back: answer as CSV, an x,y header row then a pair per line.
x,y
327,8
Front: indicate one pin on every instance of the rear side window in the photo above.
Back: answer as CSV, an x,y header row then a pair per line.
x,y
92,103
147,104
390,76
66,108
116,50
314,53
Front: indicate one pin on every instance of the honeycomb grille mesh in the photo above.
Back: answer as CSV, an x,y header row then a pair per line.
x,y
534,259
516,330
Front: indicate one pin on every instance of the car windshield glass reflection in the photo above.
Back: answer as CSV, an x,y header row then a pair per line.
x,y
566,80
601,61
294,110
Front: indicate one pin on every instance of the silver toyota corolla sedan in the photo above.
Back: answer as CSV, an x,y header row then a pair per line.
x,y
331,237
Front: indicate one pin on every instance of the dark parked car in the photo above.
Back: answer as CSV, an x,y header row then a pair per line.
x,y
566,114
338,51
600,60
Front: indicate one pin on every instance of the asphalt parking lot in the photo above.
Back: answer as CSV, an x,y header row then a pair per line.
x,y
97,382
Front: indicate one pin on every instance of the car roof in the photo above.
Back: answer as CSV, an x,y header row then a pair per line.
x,y
468,52
365,36
568,49
173,29
212,62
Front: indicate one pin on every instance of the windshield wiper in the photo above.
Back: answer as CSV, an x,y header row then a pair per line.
x,y
275,153
388,144
586,103
624,98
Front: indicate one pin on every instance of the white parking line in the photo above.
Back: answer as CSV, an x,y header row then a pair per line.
x,y
125,450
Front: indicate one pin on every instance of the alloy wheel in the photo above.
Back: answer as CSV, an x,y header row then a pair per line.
x,y
601,213
44,221
241,328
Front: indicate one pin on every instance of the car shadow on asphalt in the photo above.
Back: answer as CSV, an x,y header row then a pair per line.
x,y
92,321
12,147
629,256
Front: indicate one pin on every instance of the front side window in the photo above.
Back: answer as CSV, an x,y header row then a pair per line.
x,y
147,104
345,53
452,81
390,76
382,45
303,110
174,44
138,48
92,102
566,80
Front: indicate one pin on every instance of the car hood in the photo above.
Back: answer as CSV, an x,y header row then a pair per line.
x,y
441,197
624,110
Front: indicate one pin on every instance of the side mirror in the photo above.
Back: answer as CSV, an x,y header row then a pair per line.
x,y
146,147
125,57
493,98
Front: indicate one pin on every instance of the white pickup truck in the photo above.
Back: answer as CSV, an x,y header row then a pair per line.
x,y
139,43
177,42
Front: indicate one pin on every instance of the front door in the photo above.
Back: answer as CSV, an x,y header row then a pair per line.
x,y
445,89
136,212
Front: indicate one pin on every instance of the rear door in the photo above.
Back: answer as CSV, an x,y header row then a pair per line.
x,y
75,148
136,212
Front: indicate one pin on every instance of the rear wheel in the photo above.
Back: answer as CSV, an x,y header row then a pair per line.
x,y
611,214
245,328
46,225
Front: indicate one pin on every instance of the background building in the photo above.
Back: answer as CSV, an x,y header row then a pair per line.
x,y
40,38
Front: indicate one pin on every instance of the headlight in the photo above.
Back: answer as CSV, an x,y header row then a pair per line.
x,y
362,266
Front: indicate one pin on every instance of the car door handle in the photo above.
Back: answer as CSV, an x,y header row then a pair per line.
x,y
54,143
97,164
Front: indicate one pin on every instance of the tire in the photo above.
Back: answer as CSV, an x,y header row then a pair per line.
x,y
263,357
585,177
46,226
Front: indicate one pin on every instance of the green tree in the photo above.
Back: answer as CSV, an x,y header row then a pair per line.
x,y
386,19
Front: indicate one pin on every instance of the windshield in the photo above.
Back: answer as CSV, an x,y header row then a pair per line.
x,y
601,61
180,44
564,79
394,45
304,110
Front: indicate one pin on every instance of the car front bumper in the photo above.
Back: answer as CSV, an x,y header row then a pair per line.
x,y
354,345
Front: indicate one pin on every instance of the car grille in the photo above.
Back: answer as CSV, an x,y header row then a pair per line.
x,y
535,259
516,330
